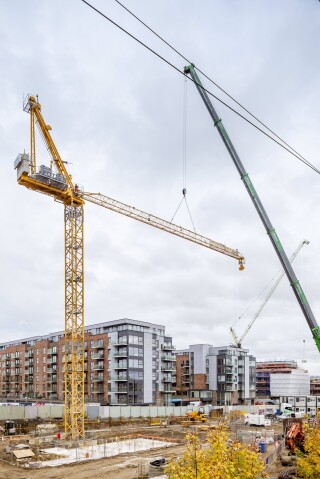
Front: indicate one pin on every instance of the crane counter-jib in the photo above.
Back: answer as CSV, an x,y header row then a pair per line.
x,y
156,222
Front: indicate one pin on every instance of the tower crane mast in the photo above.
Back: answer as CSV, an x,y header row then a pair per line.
x,y
274,238
56,182
238,342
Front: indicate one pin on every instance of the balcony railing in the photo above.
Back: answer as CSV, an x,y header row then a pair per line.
x,y
97,379
52,380
118,378
167,347
167,379
118,342
97,366
119,390
167,368
97,345
51,361
120,354
97,356
96,390
170,357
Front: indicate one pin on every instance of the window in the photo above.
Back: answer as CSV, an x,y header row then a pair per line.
x,y
135,363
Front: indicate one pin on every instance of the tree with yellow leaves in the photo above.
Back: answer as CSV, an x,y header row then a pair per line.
x,y
308,464
217,458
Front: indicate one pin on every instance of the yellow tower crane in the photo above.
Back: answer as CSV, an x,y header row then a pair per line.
x,y
55,181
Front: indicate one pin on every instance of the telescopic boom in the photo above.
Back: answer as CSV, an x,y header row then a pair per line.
x,y
297,289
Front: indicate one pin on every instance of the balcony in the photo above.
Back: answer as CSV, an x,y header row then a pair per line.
x,y
51,361
168,368
97,345
118,378
120,354
52,380
167,379
118,342
169,391
51,389
168,358
167,347
98,366
51,370
97,356
53,396
119,390
97,390
121,364
97,379
17,380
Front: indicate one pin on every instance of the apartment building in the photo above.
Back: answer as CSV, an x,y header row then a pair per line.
x,y
126,362
217,375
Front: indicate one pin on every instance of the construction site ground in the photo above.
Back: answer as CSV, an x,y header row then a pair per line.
x,y
123,466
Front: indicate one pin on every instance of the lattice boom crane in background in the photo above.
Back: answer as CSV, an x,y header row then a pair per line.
x,y
55,181
238,342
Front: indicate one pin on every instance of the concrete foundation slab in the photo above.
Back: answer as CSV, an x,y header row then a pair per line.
x,y
100,451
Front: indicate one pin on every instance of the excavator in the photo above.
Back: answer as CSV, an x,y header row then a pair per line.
x,y
295,436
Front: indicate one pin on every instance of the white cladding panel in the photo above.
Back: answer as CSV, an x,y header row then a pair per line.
x,y
147,368
246,377
295,383
212,373
200,352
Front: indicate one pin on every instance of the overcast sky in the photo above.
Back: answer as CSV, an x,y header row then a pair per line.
x,y
117,116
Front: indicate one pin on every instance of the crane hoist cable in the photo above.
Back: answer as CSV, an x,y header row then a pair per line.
x,y
184,157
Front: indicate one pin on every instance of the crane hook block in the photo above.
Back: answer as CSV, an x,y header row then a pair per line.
x,y
184,191
241,264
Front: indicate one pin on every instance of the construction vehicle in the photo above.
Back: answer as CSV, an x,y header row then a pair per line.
x,y
9,428
295,436
276,243
196,416
55,181
238,342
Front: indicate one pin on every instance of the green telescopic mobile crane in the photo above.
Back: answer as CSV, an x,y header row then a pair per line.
x,y
297,289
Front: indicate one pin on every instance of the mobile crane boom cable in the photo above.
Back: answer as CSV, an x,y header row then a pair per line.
x,y
210,79
300,158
